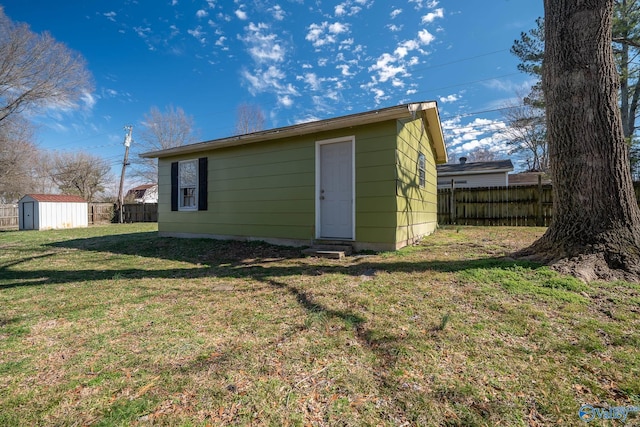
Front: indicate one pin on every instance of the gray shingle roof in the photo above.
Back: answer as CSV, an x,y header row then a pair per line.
x,y
475,167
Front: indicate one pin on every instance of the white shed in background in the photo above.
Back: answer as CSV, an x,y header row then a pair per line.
x,y
47,211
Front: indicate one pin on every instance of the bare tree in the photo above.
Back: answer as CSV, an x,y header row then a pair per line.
x,y
595,233
526,131
161,130
18,159
482,154
36,70
249,118
80,173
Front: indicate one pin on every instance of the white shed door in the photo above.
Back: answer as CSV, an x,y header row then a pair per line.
x,y
336,190
27,215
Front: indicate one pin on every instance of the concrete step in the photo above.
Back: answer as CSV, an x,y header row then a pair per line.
x,y
329,251
324,254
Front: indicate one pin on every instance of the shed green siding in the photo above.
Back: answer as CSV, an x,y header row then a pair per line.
x,y
267,189
263,186
416,205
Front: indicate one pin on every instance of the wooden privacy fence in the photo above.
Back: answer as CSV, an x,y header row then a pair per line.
x,y
8,217
530,205
100,213
139,212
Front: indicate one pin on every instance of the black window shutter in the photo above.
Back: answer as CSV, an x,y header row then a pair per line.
x,y
202,183
174,186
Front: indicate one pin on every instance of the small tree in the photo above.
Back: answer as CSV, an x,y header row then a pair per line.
x,y
482,154
18,159
161,130
526,131
36,70
80,173
249,118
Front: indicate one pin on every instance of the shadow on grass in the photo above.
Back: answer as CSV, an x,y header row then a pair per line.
x,y
251,260
219,258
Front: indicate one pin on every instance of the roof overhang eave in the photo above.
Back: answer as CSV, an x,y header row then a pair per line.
x,y
400,111
433,120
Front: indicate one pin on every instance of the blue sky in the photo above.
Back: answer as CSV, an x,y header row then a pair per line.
x,y
298,60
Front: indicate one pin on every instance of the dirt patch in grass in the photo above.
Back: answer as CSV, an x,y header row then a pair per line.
x,y
115,326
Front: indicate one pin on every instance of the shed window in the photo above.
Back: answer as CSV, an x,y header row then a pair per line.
x,y
422,173
189,185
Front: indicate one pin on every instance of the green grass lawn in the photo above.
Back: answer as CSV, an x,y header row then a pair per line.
x,y
112,325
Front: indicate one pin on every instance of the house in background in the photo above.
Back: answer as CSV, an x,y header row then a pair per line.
x,y
529,178
49,211
146,193
474,174
367,179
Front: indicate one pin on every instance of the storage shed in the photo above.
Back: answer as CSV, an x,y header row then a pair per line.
x,y
49,211
367,180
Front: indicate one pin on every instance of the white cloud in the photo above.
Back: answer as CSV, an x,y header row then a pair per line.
x,y
277,12
285,101
395,13
241,14
509,86
325,33
387,67
421,4
263,46
426,37
312,80
221,42
111,16
462,139
344,69
432,16
174,2
348,8
268,54
449,98
198,34
202,13
89,100
142,31
338,28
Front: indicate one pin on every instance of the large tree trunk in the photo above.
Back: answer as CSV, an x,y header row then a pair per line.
x,y
595,233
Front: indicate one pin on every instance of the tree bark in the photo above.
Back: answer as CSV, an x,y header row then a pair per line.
x,y
595,233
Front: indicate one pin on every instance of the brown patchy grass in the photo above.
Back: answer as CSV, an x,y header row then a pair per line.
x,y
115,326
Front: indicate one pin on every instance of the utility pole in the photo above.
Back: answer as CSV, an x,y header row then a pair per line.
x,y
125,163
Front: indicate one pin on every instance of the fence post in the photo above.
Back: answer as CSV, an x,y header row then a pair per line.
x,y
539,219
452,204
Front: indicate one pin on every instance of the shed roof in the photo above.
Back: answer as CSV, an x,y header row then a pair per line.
x,y
56,198
428,111
475,168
